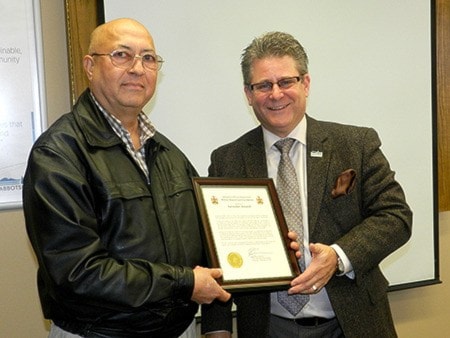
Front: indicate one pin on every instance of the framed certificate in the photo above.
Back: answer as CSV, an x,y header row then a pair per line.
x,y
245,233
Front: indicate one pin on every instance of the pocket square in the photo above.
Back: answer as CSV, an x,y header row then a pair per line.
x,y
344,184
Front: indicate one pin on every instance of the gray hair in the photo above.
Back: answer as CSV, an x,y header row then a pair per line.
x,y
273,44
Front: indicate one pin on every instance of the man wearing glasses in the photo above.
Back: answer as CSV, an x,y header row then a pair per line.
x,y
336,190
109,205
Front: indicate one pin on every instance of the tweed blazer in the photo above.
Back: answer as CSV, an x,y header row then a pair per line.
x,y
368,219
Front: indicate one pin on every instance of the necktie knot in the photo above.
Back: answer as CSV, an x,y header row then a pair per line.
x,y
284,145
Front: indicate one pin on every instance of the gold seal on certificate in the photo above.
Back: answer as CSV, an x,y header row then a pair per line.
x,y
235,260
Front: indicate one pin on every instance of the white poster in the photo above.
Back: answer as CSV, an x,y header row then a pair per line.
x,y
21,95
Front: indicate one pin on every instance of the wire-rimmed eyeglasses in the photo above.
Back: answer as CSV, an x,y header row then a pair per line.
x,y
267,86
124,59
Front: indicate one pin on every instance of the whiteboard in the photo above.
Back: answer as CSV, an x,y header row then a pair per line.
x,y
370,65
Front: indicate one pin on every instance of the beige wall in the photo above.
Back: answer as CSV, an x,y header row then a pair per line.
x,y
418,312
425,311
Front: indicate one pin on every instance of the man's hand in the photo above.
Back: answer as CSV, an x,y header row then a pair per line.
x,y
294,245
206,288
318,273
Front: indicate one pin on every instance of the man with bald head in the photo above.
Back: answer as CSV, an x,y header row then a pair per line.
x,y
109,205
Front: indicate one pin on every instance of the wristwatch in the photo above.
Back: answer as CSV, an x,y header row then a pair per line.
x,y
340,269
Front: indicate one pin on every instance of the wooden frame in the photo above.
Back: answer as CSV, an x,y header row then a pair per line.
x,y
82,16
442,34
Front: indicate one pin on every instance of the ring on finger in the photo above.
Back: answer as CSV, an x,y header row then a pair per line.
x,y
314,288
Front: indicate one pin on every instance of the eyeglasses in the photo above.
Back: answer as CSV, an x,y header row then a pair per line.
x,y
267,86
125,60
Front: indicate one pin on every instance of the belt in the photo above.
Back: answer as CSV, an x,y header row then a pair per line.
x,y
312,321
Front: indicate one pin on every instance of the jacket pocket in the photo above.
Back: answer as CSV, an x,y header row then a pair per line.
x,y
345,211
178,185
125,190
377,286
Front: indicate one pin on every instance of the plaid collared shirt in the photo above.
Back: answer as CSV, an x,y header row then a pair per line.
x,y
147,131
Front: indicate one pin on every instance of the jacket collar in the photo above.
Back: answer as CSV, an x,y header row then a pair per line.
x,y
92,123
317,162
254,155
95,127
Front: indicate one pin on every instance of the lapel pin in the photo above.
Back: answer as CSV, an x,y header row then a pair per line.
x,y
316,153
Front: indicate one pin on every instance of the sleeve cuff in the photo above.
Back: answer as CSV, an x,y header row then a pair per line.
x,y
348,268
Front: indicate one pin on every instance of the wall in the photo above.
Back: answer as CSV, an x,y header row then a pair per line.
x,y
424,312
418,312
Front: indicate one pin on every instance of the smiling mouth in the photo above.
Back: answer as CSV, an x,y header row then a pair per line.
x,y
133,85
277,107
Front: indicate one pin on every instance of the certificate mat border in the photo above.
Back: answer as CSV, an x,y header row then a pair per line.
x,y
251,284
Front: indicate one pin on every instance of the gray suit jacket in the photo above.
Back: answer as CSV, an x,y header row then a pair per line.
x,y
368,221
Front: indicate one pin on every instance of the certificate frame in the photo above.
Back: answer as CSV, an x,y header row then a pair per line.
x,y
245,233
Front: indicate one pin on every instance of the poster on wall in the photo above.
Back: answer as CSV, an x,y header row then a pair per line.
x,y
21,97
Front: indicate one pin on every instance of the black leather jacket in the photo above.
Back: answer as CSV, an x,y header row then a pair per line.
x,y
115,253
